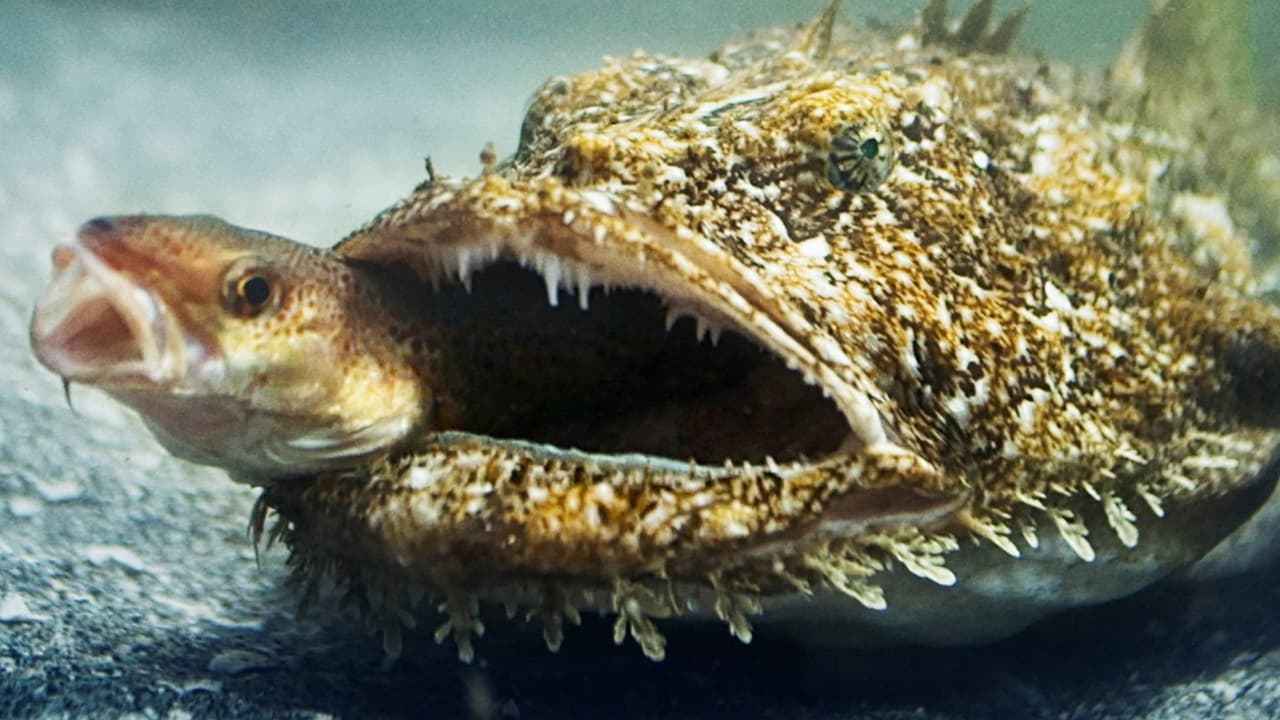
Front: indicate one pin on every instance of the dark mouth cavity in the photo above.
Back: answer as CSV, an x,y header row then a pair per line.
x,y
612,379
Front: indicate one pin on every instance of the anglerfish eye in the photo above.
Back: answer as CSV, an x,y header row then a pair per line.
x,y
860,157
251,291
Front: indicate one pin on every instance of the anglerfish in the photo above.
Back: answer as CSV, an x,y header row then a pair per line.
x,y
863,335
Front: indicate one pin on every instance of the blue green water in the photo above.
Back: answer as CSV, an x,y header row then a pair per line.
x,y
309,116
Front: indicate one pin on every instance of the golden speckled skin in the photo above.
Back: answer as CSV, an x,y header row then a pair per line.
x,y
1050,403
1057,382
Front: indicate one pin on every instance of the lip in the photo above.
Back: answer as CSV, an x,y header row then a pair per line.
x,y
95,324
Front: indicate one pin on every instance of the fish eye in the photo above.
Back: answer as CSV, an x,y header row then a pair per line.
x,y
860,157
250,292
255,290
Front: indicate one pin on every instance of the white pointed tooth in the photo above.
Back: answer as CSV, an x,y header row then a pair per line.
x,y
464,263
465,260
673,315
447,269
551,274
583,281
715,331
701,327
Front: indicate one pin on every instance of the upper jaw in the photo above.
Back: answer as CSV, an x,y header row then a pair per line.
x,y
578,239
95,324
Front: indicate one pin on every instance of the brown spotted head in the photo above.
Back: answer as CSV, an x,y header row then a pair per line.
x,y
239,348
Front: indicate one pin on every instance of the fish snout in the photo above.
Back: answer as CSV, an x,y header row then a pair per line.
x,y
113,240
100,224
95,323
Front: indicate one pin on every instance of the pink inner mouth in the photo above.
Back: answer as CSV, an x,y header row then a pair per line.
x,y
94,324
94,332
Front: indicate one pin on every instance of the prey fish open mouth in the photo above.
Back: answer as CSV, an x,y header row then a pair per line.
x,y
880,341
97,326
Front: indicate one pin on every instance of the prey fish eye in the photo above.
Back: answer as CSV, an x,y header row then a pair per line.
x,y
687,353
251,293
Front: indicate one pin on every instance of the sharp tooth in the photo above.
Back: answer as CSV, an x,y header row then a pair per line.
x,y
583,281
551,274
464,262
446,270
701,327
715,331
465,258
673,316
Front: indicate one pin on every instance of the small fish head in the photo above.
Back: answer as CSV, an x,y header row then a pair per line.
x,y
232,344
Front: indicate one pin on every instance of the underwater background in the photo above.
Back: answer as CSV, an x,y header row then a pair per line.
x,y
127,582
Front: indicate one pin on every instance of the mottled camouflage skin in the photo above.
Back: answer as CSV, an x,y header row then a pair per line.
x,y
1051,364
984,343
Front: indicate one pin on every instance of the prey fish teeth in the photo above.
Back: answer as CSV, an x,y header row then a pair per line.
x,y
961,327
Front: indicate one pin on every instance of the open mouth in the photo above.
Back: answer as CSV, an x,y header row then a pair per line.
x,y
581,322
94,325
540,354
